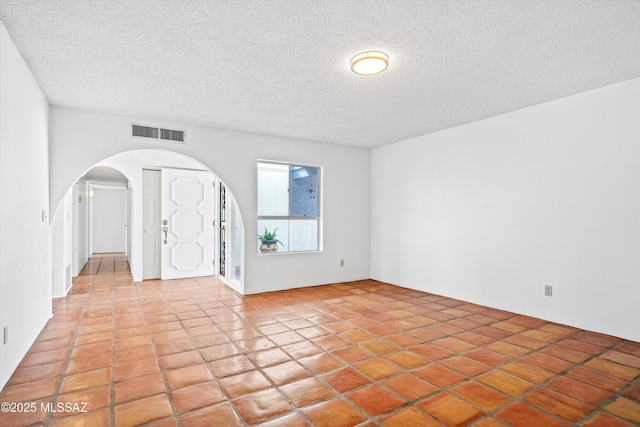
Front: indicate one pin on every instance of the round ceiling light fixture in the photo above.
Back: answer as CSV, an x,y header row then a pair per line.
x,y
369,63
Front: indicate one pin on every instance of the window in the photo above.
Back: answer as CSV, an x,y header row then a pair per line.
x,y
289,203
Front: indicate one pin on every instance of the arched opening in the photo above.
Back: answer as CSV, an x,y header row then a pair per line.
x,y
124,174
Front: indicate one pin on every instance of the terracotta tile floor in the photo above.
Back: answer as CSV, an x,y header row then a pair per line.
x,y
195,353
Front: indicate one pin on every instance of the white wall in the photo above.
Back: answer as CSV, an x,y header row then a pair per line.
x,y
80,242
25,252
233,156
108,219
492,211
129,202
62,246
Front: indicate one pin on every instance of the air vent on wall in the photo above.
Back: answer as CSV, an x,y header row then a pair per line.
x,y
172,135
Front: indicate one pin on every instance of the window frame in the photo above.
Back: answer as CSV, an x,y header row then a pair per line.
x,y
290,217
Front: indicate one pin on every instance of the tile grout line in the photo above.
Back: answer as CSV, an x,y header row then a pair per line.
x,y
78,326
49,417
537,386
112,386
213,374
294,303
163,371
597,409
510,359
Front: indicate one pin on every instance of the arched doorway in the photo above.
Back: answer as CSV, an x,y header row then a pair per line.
x,y
228,228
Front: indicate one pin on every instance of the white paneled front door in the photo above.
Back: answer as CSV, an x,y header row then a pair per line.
x,y
187,229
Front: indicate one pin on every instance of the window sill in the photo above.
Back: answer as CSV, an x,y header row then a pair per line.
x,y
288,253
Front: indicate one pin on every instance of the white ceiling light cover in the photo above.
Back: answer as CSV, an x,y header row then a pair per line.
x,y
369,63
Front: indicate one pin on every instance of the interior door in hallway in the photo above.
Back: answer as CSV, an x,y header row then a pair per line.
x,y
187,228
108,219
151,224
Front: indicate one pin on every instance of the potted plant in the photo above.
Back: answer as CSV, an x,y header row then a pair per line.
x,y
269,241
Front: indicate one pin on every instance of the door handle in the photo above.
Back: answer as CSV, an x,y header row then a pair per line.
x,y
165,229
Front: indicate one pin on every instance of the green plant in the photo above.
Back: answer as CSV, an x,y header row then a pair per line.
x,y
269,237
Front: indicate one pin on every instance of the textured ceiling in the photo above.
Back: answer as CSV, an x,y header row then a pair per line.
x,y
282,67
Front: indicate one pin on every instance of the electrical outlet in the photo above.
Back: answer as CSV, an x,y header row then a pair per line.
x,y
548,290
341,263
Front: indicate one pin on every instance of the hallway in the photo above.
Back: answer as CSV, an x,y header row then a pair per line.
x,y
192,352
